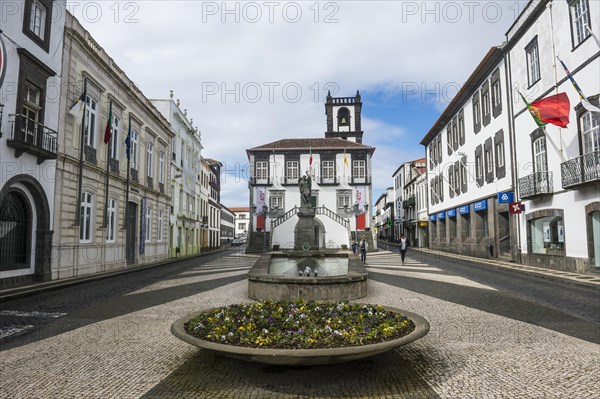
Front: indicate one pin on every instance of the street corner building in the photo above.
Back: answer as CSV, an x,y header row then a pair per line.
x,y
513,163
30,71
339,166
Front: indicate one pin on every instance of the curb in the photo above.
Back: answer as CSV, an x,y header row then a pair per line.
x,y
516,267
34,289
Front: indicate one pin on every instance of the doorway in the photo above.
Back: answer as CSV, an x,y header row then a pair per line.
x,y
131,240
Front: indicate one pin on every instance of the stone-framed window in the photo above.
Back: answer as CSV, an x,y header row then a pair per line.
x,y
37,22
359,169
327,171
546,232
476,113
343,200
292,170
496,94
533,62
111,231
588,125
500,154
86,219
579,12
150,160
148,222
486,103
262,170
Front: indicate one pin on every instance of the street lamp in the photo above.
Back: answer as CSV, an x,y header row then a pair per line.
x,y
355,210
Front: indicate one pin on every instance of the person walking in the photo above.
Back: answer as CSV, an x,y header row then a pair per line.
x,y
364,246
402,244
354,247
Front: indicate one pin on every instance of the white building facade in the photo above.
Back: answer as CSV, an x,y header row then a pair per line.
x,y
30,81
340,169
242,221
185,215
468,164
558,171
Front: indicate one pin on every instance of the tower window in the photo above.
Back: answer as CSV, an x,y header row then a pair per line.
x,y
343,117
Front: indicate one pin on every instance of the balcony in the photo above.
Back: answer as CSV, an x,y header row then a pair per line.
x,y
581,170
535,185
32,137
409,203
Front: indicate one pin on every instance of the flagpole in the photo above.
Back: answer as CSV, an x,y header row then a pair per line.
x,y
80,176
109,126
127,181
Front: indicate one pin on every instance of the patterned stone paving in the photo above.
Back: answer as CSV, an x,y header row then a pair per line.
x,y
469,353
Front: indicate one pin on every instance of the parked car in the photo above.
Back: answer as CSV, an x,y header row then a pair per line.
x,y
237,241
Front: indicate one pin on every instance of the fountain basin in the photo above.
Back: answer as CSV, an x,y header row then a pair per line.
x,y
302,357
264,285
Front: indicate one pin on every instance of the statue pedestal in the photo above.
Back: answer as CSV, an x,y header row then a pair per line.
x,y
305,234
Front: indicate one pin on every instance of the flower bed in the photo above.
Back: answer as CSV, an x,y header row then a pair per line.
x,y
299,325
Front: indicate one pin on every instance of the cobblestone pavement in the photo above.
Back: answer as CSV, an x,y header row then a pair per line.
x,y
124,348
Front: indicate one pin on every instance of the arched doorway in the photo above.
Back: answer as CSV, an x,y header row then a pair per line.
x,y
15,234
25,235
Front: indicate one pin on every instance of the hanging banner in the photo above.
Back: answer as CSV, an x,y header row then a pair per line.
x,y
260,197
361,195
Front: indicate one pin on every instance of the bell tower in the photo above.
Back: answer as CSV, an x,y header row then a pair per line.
x,y
343,117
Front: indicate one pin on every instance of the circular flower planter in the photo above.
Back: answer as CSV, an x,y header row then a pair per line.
x,y
302,357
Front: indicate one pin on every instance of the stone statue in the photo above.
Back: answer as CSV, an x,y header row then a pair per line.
x,y
305,190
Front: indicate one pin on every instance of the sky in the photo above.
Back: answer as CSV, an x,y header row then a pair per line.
x,y
250,73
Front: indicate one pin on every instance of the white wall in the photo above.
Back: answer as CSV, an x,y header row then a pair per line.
x,y
572,202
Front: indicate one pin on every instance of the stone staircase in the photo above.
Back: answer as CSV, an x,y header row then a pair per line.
x,y
256,242
367,235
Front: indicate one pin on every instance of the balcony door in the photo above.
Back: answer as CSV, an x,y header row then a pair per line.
x,y
540,163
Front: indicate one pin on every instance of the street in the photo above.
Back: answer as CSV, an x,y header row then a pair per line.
x,y
494,334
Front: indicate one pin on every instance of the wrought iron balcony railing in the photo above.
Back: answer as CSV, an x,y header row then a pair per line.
x,y
581,170
536,184
32,137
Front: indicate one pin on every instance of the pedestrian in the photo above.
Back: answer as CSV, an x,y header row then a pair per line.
x,y
363,250
354,246
402,244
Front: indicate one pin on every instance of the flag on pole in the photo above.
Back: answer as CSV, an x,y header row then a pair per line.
x,y
345,158
78,106
108,130
593,35
584,101
554,110
310,157
128,143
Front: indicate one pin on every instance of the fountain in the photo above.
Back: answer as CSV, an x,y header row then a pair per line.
x,y
307,271
312,274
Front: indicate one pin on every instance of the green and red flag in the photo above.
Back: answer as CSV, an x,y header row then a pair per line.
x,y
554,110
310,157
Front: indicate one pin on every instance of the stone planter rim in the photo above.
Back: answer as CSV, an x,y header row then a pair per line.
x,y
301,357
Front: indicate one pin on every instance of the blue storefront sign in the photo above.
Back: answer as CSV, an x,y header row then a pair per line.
x,y
441,215
506,197
464,210
480,205
432,217
451,213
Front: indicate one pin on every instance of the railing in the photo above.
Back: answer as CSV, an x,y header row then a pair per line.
x,y
322,210
284,217
409,202
581,170
332,215
536,184
28,135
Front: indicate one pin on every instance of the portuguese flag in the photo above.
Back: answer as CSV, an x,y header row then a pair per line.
x,y
554,109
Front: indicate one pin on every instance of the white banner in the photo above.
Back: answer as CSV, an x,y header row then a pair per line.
x,y
260,198
361,196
